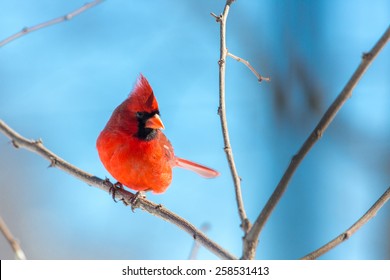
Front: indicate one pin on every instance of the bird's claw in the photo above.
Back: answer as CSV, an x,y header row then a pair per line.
x,y
135,199
114,188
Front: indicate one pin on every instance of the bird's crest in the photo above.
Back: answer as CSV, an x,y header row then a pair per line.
x,y
141,97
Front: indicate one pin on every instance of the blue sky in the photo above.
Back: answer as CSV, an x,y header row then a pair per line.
x,y
62,83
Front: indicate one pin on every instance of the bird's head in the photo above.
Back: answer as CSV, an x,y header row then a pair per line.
x,y
141,110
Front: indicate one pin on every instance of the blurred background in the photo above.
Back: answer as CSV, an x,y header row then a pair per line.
x,y
62,83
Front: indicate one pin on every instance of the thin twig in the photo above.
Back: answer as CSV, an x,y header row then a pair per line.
x,y
66,17
195,248
19,254
245,224
251,240
355,227
155,209
259,77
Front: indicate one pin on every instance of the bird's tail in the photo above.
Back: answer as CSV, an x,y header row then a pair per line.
x,y
197,168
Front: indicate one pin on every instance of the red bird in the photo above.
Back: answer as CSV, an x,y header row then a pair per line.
x,y
133,148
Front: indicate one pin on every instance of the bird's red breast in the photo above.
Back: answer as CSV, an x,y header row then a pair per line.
x,y
134,150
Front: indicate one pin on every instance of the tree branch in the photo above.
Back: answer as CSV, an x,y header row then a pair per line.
x,y
355,227
66,17
195,248
245,224
251,240
19,254
157,210
259,77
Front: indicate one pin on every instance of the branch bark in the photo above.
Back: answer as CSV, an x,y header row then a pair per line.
x,y
19,254
66,17
127,197
195,248
259,77
251,239
245,224
349,232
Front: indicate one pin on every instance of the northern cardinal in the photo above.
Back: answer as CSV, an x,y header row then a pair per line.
x,y
135,151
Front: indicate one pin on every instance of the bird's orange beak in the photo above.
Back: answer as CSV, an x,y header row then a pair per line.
x,y
154,122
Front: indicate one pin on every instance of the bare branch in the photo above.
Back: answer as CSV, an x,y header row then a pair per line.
x,y
66,17
19,254
259,77
217,18
251,240
155,209
355,227
195,248
245,224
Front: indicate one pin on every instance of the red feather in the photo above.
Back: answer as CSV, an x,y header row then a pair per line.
x,y
135,151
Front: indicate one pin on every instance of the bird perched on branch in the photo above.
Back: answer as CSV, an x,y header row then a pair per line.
x,y
135,151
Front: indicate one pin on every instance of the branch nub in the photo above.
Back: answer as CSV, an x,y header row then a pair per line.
x,y
367,55
217,18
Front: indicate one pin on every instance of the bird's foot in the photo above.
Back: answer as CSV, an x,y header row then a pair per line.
x,y
115,187
135,199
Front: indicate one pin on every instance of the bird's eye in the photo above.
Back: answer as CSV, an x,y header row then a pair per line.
x,y
140,115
